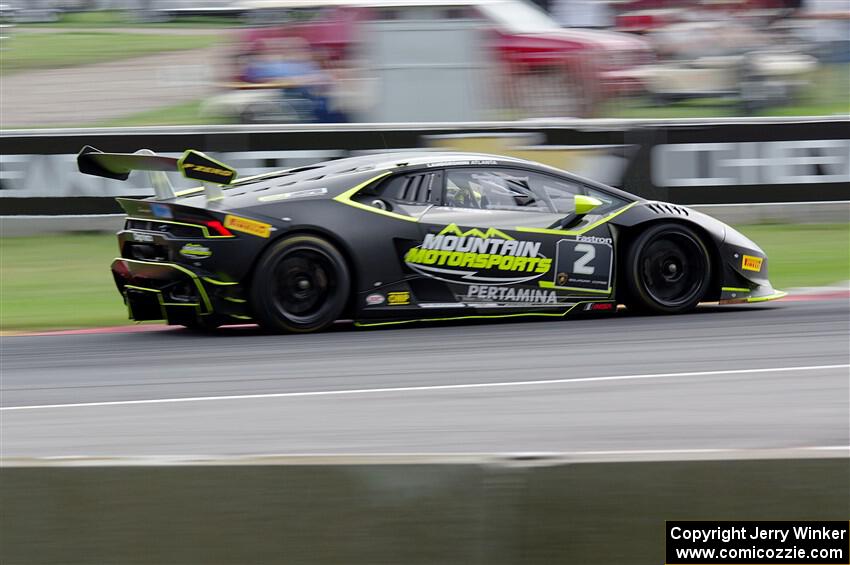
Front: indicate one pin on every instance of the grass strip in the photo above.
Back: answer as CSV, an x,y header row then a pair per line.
x,y
24,52
63,281
118,18
825,94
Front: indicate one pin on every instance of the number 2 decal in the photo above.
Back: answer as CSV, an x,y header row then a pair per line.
x,y
581,266
584,265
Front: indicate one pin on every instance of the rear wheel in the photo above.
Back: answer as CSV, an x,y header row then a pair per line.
x,y
668,270
301,284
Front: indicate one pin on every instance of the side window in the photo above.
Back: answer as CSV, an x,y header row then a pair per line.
x,y
492,189
419,188
518,190
559,192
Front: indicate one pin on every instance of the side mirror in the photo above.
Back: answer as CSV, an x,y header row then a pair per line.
x,y
585,204
582,205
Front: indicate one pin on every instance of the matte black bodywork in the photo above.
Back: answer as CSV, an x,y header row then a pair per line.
x,y
190,258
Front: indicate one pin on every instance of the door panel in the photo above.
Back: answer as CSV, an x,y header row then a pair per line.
x,y
499,219
486,263
583,264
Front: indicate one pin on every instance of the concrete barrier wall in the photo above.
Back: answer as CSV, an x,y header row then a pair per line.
x,y
709,161
402,512
18,226
780,212
797,212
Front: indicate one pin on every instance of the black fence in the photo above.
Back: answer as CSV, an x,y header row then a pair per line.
x,y
710,162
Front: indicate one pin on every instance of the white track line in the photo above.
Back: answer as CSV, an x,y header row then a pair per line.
x,y
508,458
426,388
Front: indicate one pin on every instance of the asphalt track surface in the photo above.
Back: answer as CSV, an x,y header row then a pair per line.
x,y
745,377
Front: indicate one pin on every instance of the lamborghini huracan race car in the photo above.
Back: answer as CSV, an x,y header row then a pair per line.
x,y
399,237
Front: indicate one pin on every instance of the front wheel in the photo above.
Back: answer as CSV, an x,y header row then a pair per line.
x,y
301,284
668,270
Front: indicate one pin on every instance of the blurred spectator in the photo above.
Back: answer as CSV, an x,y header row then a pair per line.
x,y
351,92
826,23
582,13
286,63
280,59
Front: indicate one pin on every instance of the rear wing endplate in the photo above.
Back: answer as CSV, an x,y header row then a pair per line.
x,y
192,164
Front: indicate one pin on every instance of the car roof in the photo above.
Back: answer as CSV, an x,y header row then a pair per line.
x,y
383,161
336,176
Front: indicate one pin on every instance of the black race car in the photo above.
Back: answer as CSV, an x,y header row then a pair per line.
x,y
400,237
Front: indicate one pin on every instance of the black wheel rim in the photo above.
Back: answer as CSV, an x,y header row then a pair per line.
x,y
304,281
673,269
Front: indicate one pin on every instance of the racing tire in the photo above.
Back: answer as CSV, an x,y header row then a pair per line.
x,y
301,284
668,270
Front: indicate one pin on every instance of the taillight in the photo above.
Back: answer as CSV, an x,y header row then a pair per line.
x,y
217,227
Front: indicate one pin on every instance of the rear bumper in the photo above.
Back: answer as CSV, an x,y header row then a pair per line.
x,y
154,290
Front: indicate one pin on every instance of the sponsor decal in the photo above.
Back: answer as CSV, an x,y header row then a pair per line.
x,y
594,239
161,211
603,306
401,298
195,251
142,237
375,299
583,263
195,165
806,161
477,257
458,163
253,227
293,195
206,169
750,263
498,294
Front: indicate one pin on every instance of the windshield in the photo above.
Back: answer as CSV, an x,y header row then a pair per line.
x,y
518,17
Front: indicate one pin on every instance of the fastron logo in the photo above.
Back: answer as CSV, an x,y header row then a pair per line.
x,y
477,257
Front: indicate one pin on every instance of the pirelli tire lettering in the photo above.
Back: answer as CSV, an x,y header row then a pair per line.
x,y
478,257
750,263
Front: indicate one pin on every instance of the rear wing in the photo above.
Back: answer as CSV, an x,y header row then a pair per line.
x,y
192,164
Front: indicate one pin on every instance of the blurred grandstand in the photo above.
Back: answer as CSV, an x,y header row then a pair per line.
x,y
296,61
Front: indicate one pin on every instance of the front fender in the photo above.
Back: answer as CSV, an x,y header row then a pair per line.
x,y
742,264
